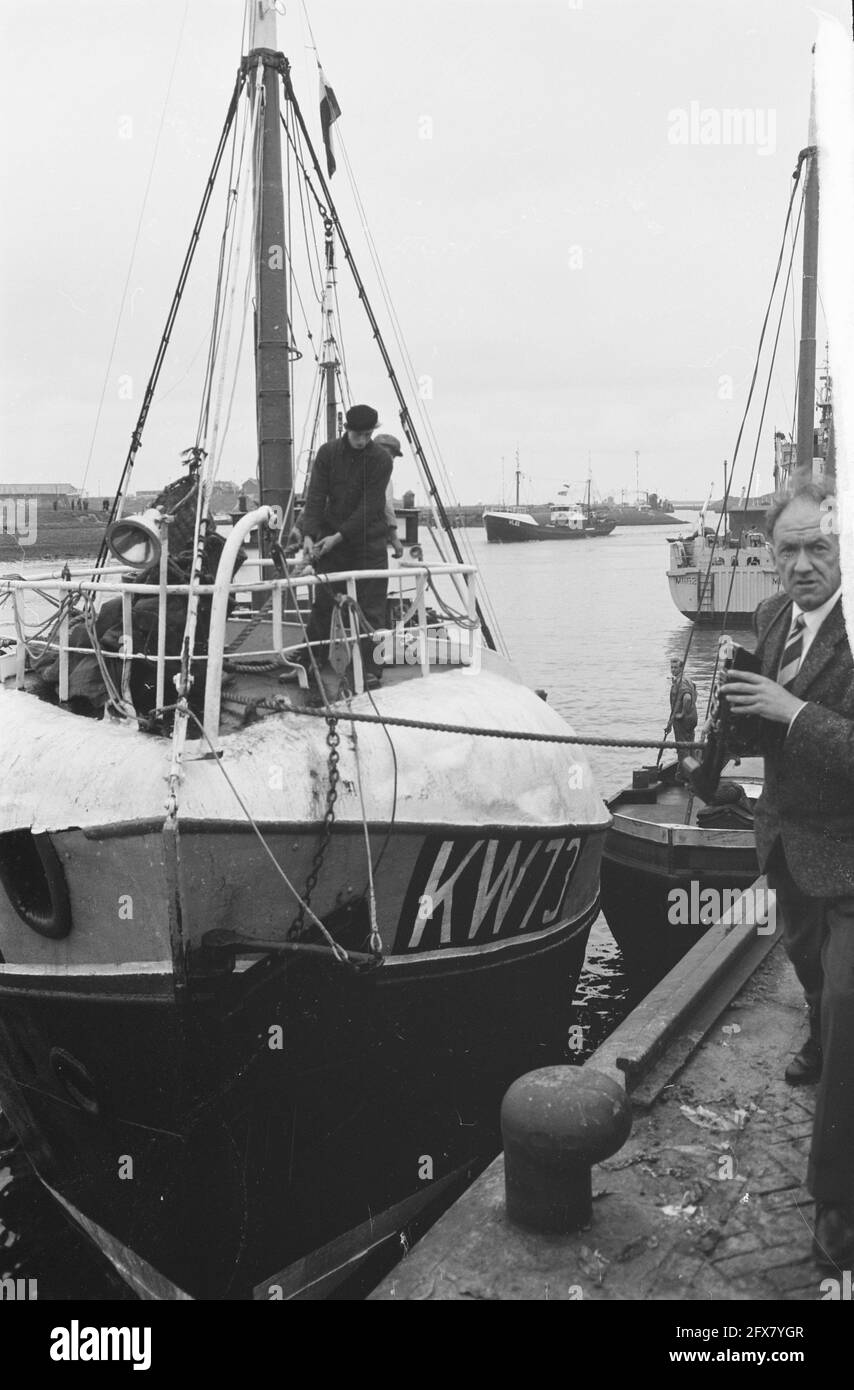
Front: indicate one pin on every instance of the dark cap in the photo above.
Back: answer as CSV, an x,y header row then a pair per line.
x,y
390,444
361,417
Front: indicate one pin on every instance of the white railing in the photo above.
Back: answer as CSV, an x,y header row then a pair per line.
x,y
289,600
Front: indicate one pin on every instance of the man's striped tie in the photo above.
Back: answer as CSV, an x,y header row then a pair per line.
x,y
792,655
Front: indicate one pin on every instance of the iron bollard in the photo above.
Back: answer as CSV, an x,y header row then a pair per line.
x,y
556,1123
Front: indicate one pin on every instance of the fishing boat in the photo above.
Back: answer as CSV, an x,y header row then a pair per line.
x,y
666,840
564,520
271,948
666,849
725,571
565,523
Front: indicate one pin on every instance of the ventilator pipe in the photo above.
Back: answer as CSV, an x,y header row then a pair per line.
x,y
219,611
556,1123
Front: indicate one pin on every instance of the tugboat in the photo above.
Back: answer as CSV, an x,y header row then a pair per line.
x,y
270,954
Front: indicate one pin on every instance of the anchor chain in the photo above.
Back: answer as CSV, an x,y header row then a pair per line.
x,y
333,739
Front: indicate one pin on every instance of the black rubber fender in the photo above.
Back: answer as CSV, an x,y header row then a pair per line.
x,y
34,879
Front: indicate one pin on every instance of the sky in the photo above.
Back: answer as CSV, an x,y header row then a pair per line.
x,y
578,240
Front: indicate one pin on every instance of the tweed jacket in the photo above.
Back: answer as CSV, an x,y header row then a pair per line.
x,y
808,797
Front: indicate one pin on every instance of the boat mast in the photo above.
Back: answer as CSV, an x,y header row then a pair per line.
x,y
330,346
518,476
272,349
802,472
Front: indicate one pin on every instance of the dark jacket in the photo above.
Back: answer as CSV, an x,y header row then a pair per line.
x,y
347,493
808,799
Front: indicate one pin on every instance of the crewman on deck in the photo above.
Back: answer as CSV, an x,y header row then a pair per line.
x,y
683,703
392,447
344,527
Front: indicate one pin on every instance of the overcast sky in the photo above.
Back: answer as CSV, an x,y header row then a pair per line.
x,y
575,272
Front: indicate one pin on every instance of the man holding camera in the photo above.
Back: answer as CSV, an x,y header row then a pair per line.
x,y
805,827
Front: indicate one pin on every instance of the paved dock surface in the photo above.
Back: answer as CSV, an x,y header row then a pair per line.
x,y
704,1201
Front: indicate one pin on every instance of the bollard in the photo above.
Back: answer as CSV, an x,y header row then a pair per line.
x,y
556,1123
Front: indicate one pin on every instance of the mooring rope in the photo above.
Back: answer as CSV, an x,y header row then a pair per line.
x,y
522,735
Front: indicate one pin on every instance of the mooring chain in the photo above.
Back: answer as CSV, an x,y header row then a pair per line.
x,y
333,739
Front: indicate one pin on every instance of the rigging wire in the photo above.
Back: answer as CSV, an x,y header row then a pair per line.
x,y
407,420
728,485
148,396
463,542
733,567
109,368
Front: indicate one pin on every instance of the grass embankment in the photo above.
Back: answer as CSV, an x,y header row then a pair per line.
x,y
59,535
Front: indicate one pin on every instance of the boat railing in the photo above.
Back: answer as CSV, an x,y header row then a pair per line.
x,y
276,608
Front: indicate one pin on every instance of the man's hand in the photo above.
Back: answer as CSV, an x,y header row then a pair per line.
x,y
308,548
396,547
749,693
328,543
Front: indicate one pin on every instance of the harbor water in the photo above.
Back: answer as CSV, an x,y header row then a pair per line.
x,y
592,623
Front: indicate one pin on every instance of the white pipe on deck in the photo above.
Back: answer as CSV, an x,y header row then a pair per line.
x,y
261,516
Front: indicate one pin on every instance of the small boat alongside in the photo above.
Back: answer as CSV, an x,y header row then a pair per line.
x,y
670,858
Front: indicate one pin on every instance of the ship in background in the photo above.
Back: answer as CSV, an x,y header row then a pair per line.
x,y
725,570
563,521
653,511
669,834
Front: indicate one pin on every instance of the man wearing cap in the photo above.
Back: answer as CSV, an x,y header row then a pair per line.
x,y
344,524
392,447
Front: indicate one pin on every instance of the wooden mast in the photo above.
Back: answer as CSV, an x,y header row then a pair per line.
x,y
802,472
272,367
330,347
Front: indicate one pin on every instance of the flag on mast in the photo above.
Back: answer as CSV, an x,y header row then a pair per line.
x,y
329,113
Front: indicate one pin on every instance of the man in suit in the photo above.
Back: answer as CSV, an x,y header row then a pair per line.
x,y
805,827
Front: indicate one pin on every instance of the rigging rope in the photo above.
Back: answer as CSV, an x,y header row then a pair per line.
x,y
136,437
517,735
109,368
728,484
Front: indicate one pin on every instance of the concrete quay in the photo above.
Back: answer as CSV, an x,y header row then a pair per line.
x,y
705,1199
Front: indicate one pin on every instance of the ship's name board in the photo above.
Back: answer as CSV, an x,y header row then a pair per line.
x,y
468,891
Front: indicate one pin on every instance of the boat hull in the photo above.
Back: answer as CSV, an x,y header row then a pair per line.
x,y
655,865
222,1127
208,1089
512,530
